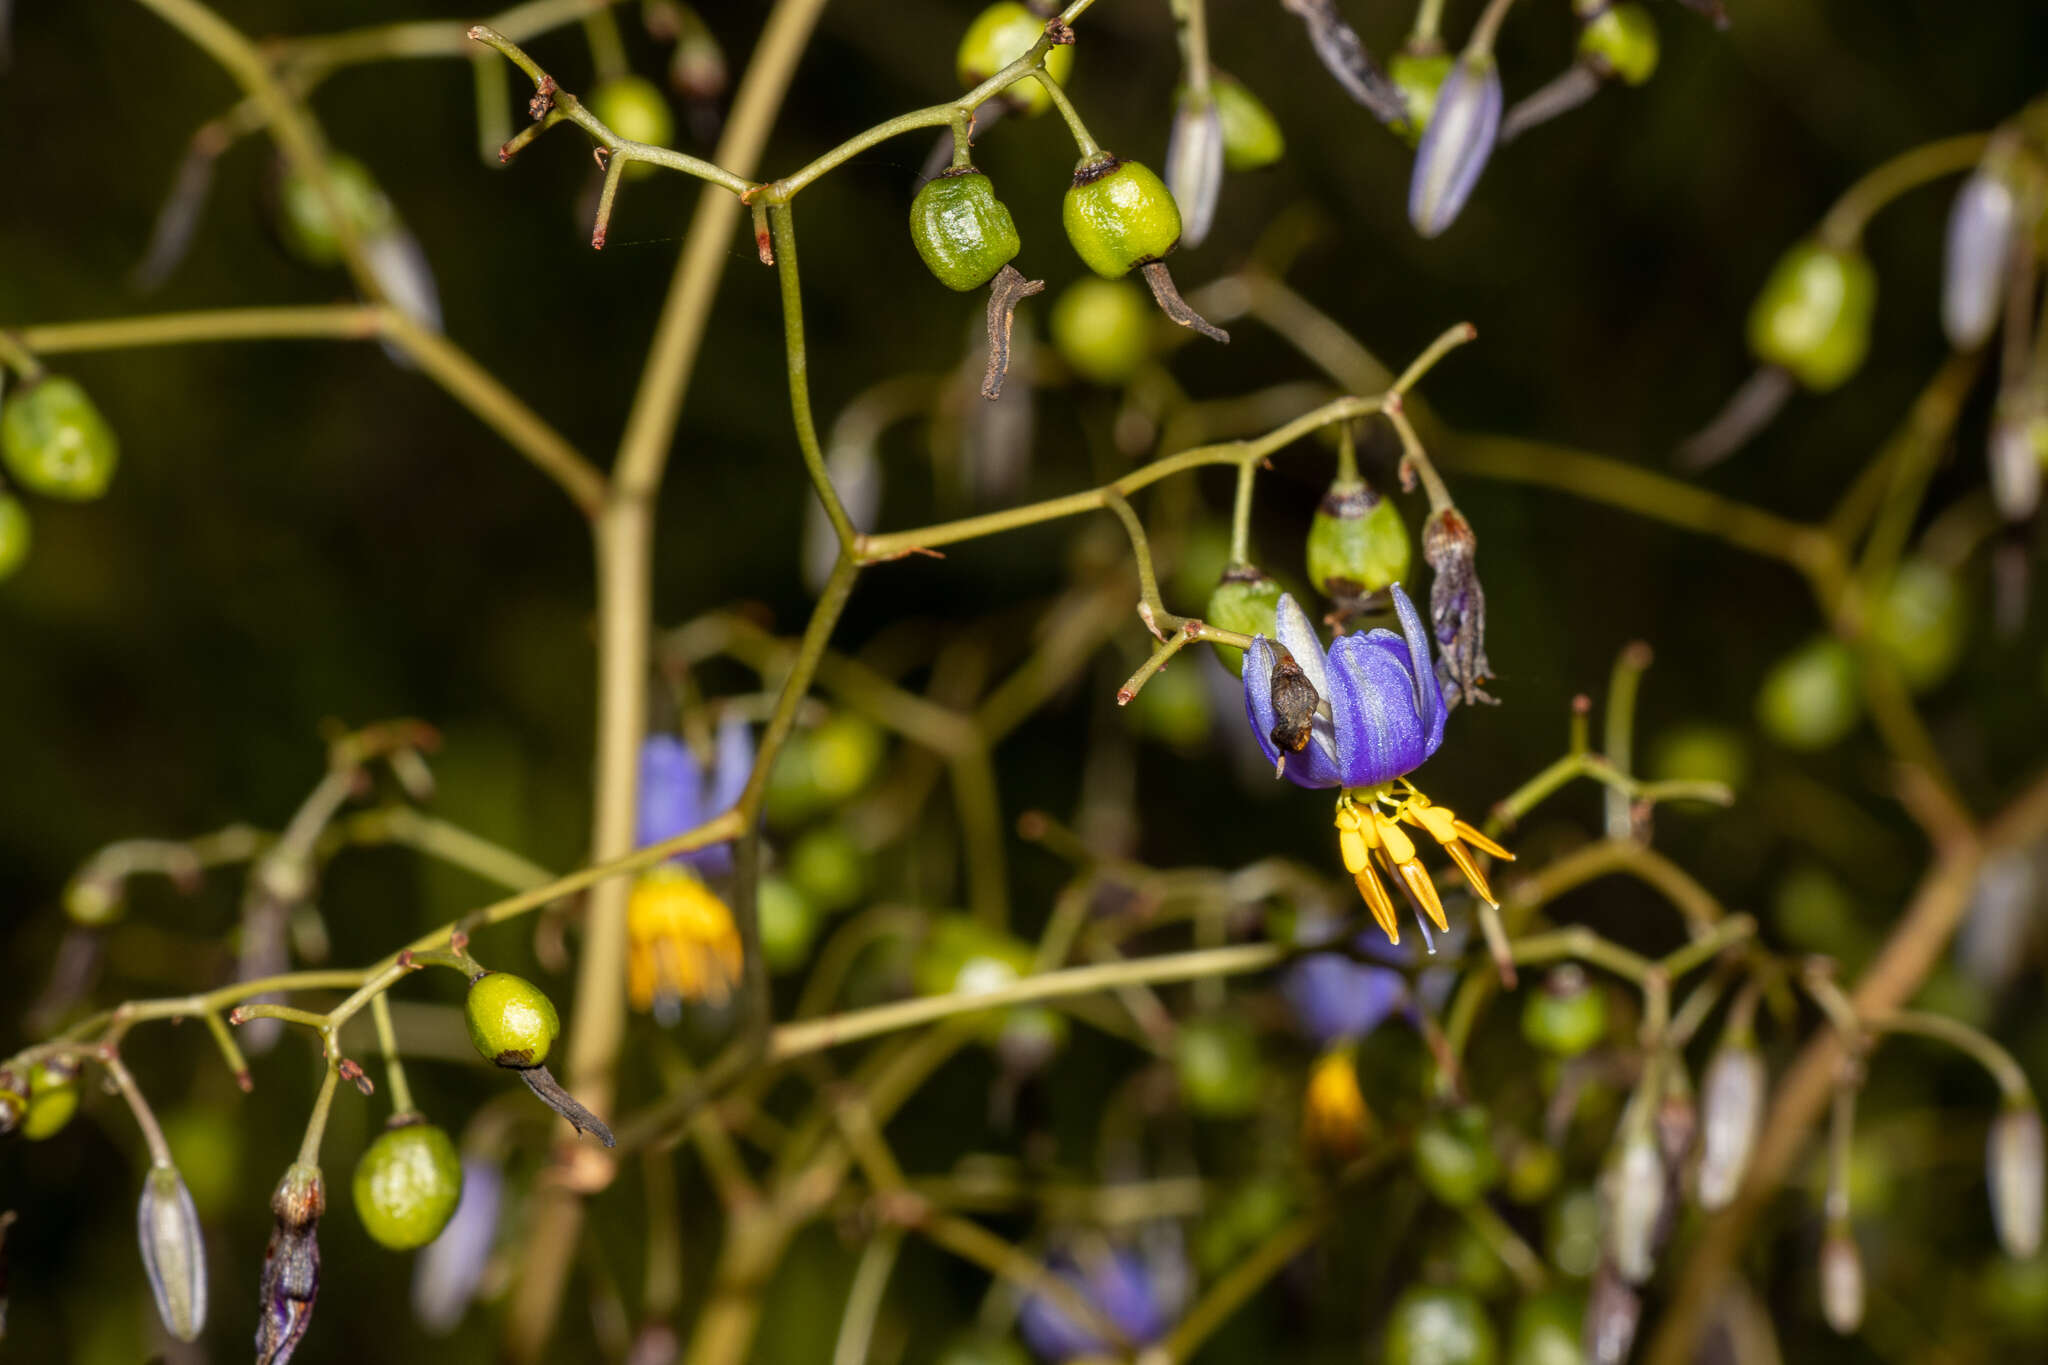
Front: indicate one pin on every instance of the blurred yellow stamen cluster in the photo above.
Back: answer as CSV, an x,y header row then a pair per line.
x,y
1334,1121
1368,834
682,943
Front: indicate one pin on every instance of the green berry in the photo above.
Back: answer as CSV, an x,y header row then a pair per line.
x,y
635,109
1357,543
1534,1168
1698,752
52,1099
310,231
1917,621
1440,1327
1566,1015
1621,42
829,868
56,443
1420,75
845,751
1810,699
1173,708
1572,1232
961,229
1813,316
1251,135
1218,1062
1119,215
1454,1155
407,1184
1103,329
14,534
1000,35
1547,1330
789,923
511,1020
1245,601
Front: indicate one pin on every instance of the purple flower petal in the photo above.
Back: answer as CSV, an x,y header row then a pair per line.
x,y
1335,998
1118,1285
671,790
1379,734
1429,695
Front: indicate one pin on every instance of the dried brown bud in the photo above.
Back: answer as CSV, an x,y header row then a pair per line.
x,y
1457,606
1294,704
291,1264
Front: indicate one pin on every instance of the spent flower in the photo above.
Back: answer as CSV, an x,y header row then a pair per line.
x,y
291,1264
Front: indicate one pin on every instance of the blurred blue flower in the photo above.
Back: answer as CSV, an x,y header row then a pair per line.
x,y
677,795
447,1274
1118,1284
1335,998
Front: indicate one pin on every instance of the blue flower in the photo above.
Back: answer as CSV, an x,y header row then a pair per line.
x,y
1456,144
1379,711
1335,999
1119,1286
677,795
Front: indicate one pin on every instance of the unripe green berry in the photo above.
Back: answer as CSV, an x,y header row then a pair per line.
x,y
1454,1155
1621,42
56,443
310,231
1173,708
1918,621
1813,316
635,109
52,1099
1811,698
1433,1326
962,230
1420,75
14,534
1000,35
829,868
1119,215
1699,752
1103,329
1547,1330
1245,601
1251,135
1218,1062
511,1020
1566,1015
1357,543
789,922
408,1184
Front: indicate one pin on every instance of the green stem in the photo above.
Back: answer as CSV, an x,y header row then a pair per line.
x,y
1429,17
394,1069
1487,29
1241,515
1844,224
1981,1047
1622,685
1084,142
145,1117
316,1123
783,223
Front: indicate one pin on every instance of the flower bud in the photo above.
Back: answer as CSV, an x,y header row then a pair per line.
x,y
1811,698
1731,1111
1245,601
1456,145
1612,1311
291,1264
697,68
1000,35
1841,1279
56,443
14,534
1620,42
1813,315
2019,446
2012,1165
446,1277
402,272
1632,1195
1194,162
1357,542
173,1252
1252,138
1419,76
1977,259
1119,215
964,233
635,109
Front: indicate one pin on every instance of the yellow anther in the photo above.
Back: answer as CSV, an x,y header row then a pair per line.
x,y
1377,900
1463,858
1424,891
1441,824
1400,848
1352,842
1348,816
1334,1119
1480,841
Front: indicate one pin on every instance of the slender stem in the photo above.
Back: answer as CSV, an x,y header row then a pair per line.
x,y
334,321
864,1297
316,1123
607,48
1984,1049
394,1069
145,1117
1622,685
783,224
1521,1261
1084,142
1241,514
1429,16
1843,226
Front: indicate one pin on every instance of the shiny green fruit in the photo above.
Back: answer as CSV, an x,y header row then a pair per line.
x,y
1811,698
1547,1330
1813,316
1119,215
52,1099
310,231
1918,621
961,229
56,443
1566,1015
1357,543
1103,330
1246,601
408,1184
1440,1327
845,752
1572,1232
14,534
1700,752
1420,76
789,924
1621,42
511,1020
1454,1155
1173,707
1218,1063
635,109
829,868
1000,35
1251,135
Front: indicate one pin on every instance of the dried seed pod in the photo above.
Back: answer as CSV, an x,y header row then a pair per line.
x,y
2013,1167
291,1264
173,1252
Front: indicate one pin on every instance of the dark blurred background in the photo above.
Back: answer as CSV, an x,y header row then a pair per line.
x,y
302,531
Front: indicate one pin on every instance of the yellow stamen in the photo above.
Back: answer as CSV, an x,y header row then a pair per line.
x,y
1463,859
1480,841
1377,900
1334,1119
1351,843
1400,848
1416,877
1441,824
